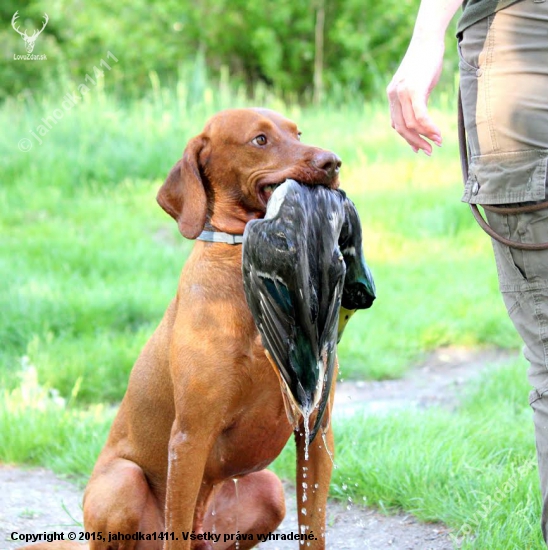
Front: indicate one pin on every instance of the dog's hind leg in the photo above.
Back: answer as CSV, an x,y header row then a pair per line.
x,y
253,505
118,503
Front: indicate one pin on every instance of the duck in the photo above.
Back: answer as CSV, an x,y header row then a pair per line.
x,y
304,277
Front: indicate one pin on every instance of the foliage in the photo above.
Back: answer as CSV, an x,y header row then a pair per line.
x,y
256,43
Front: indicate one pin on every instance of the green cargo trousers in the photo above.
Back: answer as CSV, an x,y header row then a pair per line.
x,y
504,87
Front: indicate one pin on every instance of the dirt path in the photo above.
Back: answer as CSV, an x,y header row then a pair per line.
x,y
366,529
436,381
35,500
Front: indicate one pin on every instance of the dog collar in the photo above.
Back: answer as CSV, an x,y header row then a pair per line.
x,y
220,237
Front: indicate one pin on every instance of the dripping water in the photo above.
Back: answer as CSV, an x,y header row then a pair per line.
x,y
213,511
303,530
329,453
306,418
235,480
305,486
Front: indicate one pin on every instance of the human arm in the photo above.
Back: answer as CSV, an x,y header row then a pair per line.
x,y
418,74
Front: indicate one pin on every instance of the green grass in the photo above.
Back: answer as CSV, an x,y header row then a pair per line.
x,y
474,469
40,427
89,263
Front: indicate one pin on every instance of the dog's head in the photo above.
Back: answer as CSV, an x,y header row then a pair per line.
x,y
229,171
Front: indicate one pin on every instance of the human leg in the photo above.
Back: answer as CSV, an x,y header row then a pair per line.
x,y
504,76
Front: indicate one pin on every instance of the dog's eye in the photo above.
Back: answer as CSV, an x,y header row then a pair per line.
x,y
299,134
260,140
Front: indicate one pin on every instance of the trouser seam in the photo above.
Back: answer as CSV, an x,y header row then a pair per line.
x,y
487,74
541,321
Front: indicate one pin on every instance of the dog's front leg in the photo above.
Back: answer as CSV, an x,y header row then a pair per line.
x,y
313,478
188,454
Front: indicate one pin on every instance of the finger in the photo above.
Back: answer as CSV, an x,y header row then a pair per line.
x,y
425,124
415,115
409,134
415,128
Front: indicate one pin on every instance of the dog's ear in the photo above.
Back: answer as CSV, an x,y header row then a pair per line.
x,y
183,195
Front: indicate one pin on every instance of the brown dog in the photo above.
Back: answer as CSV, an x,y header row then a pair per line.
x,y
203,406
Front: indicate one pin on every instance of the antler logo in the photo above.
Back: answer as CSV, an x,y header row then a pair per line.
x,y
29,40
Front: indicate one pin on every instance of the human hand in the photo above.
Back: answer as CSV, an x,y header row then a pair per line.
x,y
409,91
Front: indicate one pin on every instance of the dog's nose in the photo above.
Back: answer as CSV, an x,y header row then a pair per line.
x,y
329,162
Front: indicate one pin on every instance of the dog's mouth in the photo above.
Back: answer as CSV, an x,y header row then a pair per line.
x,y
266,190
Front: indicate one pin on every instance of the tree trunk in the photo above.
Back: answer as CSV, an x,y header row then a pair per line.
x,y
318,54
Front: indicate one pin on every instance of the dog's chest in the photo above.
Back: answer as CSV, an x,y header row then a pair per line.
x,y
254,438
